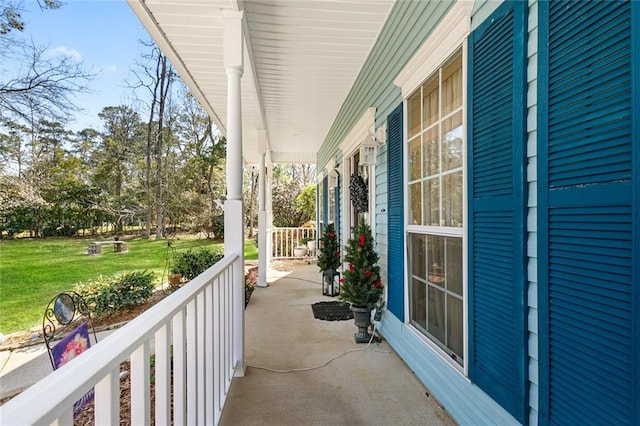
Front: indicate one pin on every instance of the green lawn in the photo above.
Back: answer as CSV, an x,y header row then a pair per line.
x,y
33,271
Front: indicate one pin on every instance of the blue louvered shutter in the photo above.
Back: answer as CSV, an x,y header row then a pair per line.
x,y
395,215
588,215
496,162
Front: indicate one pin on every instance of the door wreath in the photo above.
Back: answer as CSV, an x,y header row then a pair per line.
x,y
359,194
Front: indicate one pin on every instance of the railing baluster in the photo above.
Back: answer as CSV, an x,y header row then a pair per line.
x,y
107,399
163,376
226,343
218,357
140,386
200,355
208,354
228,323
192,365
179,370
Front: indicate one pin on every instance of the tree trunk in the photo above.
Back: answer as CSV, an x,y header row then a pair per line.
x,y
165,84
254,184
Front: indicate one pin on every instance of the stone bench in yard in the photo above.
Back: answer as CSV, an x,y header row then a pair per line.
x,y
96,246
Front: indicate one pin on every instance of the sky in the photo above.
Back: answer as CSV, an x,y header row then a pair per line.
x,y
105,35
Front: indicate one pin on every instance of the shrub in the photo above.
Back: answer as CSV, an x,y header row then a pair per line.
x,y
113,293
194,262
217,226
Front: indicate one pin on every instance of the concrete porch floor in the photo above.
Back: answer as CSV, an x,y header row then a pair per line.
x,y
372,386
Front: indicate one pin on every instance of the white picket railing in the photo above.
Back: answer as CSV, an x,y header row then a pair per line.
x,y
284,240
191,332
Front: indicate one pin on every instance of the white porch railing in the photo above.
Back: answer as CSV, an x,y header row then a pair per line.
x,y
192,330
284,240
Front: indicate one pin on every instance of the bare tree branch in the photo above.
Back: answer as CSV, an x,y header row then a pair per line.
x,y
42,86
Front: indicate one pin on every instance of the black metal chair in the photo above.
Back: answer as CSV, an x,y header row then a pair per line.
x,y
65,314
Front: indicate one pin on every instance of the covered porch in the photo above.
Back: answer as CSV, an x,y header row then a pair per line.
x,y
360,385
328,379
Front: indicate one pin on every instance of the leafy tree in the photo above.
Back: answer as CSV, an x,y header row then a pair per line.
x,y
306,203
117,166
21,205
288,182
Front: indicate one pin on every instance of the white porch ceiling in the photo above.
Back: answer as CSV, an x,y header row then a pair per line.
x,y
301,59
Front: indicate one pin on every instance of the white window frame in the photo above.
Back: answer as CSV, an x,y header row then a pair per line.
x,y
450,35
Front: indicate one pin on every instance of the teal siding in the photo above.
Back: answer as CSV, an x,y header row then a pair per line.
x,y
466,402
381,217
532,210
408,26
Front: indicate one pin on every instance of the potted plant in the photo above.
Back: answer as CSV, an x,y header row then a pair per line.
x,y
299,250
329,259
361,283
174,277
309,242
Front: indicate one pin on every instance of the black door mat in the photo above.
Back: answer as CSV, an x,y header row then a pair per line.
x,y
331,311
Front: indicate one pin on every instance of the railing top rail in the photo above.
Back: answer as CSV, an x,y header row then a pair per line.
x,y
60,389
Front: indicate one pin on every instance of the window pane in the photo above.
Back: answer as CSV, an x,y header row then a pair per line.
x,y
418,256
452,142
414,114
415,159
454,265
415,202
452,85
431,202
454,326
435,260
419,303
452,199
430,104
436,324
431,155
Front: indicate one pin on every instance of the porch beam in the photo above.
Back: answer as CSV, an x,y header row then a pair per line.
x,y
233,211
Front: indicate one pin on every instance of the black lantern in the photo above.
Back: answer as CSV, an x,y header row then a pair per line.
x,y
330,282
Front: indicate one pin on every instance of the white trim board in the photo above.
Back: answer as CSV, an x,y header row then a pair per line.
x,y
442,42
360,130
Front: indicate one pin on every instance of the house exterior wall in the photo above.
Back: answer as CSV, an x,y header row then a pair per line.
x,y
532,217
467,402
408,25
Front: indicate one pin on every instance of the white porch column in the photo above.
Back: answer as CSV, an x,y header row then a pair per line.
x,y
233,212
263,235
269,207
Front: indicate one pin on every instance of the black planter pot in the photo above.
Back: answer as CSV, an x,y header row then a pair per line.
x,y
362,319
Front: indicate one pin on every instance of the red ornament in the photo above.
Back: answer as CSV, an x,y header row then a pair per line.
x,y
341,280
361,242
376,284
368,274
338,253
351,268
331,234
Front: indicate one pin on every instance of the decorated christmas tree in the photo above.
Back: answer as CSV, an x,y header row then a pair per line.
x,y
329,256
361,283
